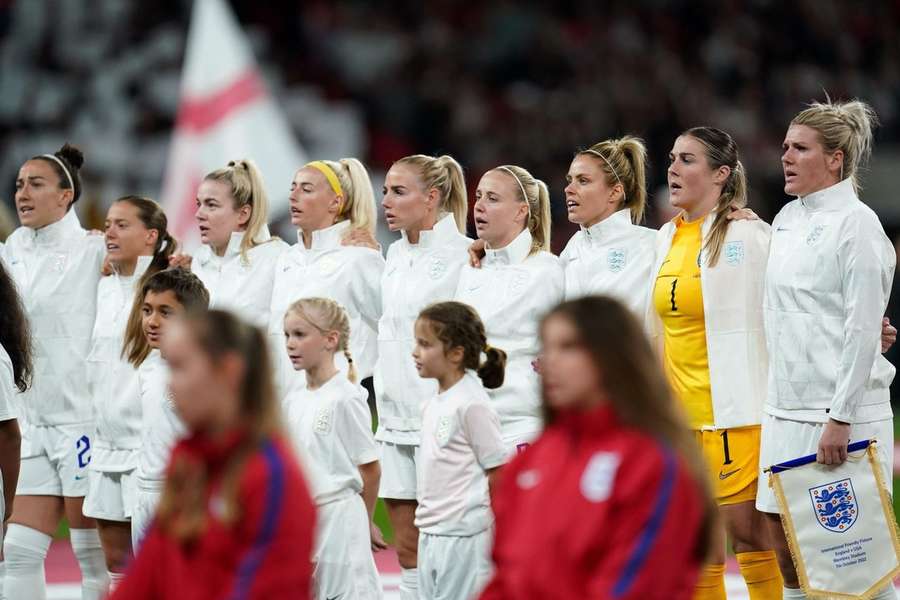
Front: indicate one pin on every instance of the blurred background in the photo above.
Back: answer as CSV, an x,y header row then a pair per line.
x,y
491,82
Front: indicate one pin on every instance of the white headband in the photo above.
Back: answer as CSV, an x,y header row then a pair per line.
x,y
521,187
55,158
606,160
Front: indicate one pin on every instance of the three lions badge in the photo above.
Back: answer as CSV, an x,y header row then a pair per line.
x,y
835,505
616,259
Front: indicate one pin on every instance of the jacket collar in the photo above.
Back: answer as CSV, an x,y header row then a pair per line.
x,y
680,221
56,232
595,421
232,249
325,239
212,451
608,228
234,245
514,253
443,231
834,197
143,263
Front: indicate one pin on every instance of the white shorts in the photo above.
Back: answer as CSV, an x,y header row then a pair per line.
x,y
344,565
454,567
785,440
398,470
110,496
55,460
146,499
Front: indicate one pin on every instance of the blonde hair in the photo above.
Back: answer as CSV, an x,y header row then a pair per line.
x,y
327,315
445,175
535,194
247,189
844,126
624,161
359,198
721,151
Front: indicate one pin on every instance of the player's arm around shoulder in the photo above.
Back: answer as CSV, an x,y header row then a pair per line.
x,y
548,279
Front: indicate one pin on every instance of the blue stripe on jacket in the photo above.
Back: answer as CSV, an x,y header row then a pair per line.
x,y
249,565
651,530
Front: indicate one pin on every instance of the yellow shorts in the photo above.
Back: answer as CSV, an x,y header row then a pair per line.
x,y
732,456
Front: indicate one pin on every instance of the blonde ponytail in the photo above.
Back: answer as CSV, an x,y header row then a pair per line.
x,y
326,315
351,368
358,204
533,192
247,188
445,175
721,151
624,161
844,126
540,223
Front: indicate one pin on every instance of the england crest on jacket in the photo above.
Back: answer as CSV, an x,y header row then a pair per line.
x,y
835,505
734,253
615,259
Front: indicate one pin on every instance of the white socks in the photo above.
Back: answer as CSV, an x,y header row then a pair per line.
x,y
409,584
114,580
25,550
87,549
795,593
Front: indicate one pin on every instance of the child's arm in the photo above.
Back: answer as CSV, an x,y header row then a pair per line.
x,y
493,476
371,476
10,443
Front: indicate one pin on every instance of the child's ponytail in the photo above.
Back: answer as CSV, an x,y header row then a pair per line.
x,y
458,325
351,370
327,315
493,369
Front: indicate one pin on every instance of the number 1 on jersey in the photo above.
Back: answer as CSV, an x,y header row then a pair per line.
x,y
674,285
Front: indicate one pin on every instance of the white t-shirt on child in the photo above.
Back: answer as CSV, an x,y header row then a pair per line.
x,y
331,427
460,439
162,427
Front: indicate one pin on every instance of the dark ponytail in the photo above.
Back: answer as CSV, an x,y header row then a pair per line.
x,y
458,325
67,166
15,336
493,369
152,216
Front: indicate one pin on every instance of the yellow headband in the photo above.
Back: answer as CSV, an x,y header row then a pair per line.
x,y
332,178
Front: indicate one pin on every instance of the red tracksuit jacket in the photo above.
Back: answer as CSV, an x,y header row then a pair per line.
x,y
595,510
266,554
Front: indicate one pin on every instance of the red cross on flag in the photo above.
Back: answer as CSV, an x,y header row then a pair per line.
x,y
225,113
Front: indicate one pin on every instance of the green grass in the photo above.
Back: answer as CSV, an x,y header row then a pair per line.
x,y
62,532
381,519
